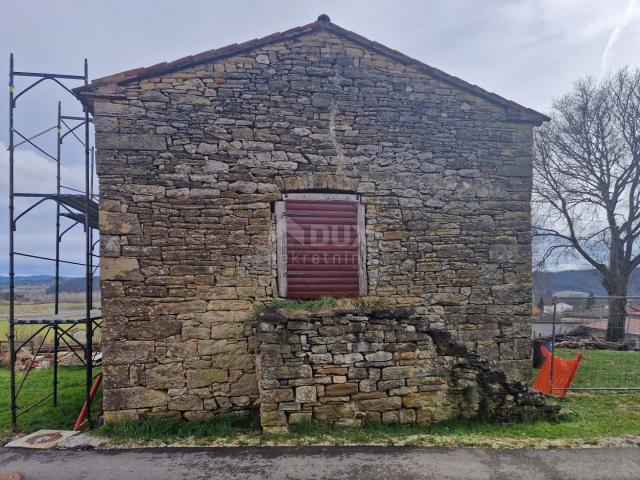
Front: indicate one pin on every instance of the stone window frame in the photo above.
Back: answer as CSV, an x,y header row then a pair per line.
x,y
281,235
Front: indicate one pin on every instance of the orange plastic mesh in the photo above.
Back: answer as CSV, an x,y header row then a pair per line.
x,y
563,373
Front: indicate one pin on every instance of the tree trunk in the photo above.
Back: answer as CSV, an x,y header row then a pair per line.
x,y
616,319
616,284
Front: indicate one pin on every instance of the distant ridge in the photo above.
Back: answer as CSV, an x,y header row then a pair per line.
x,y
46,283
586,281
4,279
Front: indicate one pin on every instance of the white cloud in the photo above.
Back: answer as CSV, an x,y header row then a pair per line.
x,y
629,14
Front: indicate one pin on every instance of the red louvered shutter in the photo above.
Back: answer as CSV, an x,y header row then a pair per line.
x,y
322,237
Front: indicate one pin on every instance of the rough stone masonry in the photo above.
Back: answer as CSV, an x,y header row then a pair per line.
x,y
192,155
385,365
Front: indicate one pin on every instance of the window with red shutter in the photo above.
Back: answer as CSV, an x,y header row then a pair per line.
x,y
321,246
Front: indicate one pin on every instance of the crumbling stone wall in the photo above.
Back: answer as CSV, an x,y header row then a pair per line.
x,y
190,163
347,368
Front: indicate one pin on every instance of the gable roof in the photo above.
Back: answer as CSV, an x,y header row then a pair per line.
x,y
322,23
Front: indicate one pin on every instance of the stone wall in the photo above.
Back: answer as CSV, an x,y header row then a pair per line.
x,y
190,164
346,368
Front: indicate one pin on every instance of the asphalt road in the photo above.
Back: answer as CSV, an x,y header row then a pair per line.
x,y
323,462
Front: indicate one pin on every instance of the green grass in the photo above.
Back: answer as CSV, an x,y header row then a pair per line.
x,y
168,430
37,308
585,417
292,305
71,391
604,368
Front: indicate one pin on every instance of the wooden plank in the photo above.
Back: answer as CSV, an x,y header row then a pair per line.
x,y
293,282
320,213
296,247
299,206
311,257
331,197
323,221
323,274
362,257
348,267
281,248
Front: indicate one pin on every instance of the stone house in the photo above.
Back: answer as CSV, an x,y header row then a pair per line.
x,y
307,163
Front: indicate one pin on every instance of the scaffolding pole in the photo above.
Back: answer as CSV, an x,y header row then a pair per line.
x,y
82,208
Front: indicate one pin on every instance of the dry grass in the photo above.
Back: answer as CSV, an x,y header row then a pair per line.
x,y
325,305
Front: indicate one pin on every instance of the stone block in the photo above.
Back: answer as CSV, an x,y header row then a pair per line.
x,y
234,361
133,397
335,411
119,416
130,141
306,394
341,389
421,400
293,371
185,402
391,416
378,356
380,404
297,417
205,377
393,373
170,375
118,223
120,268
129,352
246,385
273,419
407,416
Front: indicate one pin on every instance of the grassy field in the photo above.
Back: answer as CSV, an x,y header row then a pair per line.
x,y
45,309
36,310
71,391
586,418
603,368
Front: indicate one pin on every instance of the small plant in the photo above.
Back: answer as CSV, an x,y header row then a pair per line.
x,y
368,303
325,304
322,304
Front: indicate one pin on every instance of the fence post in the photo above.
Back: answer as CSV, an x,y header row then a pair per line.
x,y
553,342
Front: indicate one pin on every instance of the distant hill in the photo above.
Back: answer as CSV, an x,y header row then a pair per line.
x,y
4,279
74,285
586,281
44,284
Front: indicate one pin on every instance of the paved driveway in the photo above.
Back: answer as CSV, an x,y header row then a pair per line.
x,y
319,463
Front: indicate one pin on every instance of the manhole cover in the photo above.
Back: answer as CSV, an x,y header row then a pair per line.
x,y
44,438
11,476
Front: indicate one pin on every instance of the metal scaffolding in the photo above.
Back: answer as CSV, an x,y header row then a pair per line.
x,y
81,207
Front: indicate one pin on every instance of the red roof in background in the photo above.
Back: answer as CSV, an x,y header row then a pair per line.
x,y
323,23
631,325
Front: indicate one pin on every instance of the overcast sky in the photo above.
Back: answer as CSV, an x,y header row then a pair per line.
x,y
529,51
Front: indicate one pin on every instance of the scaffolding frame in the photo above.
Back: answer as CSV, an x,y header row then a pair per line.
x,y
79,206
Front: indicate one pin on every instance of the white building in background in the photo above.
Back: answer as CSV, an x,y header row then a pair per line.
x,y
560,308
570,294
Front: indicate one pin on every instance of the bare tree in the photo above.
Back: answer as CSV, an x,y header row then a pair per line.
x,y
587,183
